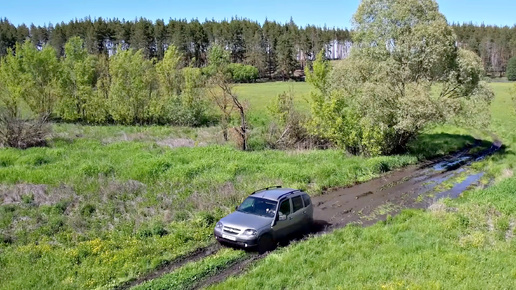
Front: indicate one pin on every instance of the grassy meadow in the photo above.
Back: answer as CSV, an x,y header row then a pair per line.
x,y
467,243
105,204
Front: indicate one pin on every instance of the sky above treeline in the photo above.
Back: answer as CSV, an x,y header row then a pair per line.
x,y
332,13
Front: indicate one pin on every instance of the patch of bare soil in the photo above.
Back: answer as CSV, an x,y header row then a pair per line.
x,y
180,142
36,194
411,187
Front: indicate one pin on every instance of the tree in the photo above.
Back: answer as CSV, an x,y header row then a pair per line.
x,y
18,85
11,86
169,75
381,97
143,37
221,91
38,76
286,61
192,104
133,88
511,69
77,82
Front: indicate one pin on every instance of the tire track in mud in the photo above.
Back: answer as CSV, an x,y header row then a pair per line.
x,y
415,186
171,266
233,270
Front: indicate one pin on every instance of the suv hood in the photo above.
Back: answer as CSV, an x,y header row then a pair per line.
x,y
246,221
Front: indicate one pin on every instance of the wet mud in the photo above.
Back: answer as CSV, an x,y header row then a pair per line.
x,y
411,187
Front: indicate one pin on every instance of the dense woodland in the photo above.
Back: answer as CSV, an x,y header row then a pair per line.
x,y
274,48
495,45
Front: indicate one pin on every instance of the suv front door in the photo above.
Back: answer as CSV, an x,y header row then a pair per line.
x,y
283,227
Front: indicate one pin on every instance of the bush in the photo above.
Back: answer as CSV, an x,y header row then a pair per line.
x,y
23,133
511,69
243,73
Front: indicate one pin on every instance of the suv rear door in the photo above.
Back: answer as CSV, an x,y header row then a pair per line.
x,y
298,216
309,209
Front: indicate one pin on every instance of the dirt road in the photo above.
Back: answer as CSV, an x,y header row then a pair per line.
x,y
411,187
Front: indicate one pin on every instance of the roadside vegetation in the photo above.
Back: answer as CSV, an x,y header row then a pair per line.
x,y
104,204
465,243
90,200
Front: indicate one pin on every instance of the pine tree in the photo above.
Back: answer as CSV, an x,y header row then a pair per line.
x,y
511,69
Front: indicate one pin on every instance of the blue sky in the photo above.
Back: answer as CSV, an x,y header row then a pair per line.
x,y
319,12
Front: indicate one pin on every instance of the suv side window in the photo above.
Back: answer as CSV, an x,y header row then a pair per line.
x,y
297,203
306,199
285,207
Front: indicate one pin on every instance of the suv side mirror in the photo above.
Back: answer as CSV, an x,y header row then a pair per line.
x,y
282,217
236,207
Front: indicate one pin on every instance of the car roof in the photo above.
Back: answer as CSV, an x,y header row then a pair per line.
x,y
274,194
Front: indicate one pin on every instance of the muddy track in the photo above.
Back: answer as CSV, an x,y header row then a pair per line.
x,y
233,270
197,255
417,186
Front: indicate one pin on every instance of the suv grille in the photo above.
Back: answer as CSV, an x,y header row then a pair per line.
x,y
231,230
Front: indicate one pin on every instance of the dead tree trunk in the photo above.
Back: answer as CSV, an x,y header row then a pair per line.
x,y
242,131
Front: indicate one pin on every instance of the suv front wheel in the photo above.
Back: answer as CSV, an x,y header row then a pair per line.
x,y
265,244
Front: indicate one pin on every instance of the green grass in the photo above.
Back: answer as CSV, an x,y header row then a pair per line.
x,y
140,203
466,243
503,124
261,95
105,204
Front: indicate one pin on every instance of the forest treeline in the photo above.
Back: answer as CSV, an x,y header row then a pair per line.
x,y
495,45
274,48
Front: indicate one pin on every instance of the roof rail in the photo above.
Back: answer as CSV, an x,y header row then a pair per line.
x,y
289,192
267,188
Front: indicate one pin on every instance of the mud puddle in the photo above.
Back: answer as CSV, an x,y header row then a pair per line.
x,y
411,187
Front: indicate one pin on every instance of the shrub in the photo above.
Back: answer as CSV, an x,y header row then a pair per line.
x,y
242,73
511,69
23,133
287,130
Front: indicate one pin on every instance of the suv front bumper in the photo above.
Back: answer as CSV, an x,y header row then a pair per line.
x,y
238,241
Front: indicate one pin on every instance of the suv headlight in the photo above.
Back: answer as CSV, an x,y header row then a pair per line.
x,y
250,232
218,225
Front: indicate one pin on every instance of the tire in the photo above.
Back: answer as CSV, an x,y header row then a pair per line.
x,y
265,244
307,228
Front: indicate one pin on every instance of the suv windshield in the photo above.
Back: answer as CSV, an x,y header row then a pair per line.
x,y
258,206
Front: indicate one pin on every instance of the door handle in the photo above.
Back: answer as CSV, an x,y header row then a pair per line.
x,y
304,212
289,217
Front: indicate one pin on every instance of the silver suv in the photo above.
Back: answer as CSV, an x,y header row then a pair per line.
x,y
266,216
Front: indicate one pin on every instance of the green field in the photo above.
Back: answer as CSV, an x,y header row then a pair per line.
x,y
105,204
466,243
